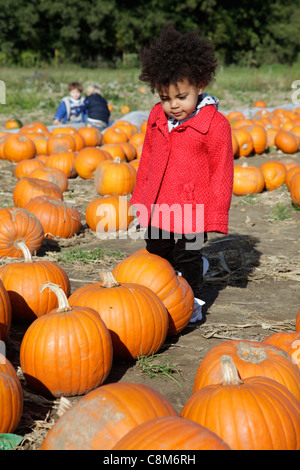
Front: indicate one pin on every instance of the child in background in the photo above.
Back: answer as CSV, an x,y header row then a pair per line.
x,y
95,107
186,164
67,110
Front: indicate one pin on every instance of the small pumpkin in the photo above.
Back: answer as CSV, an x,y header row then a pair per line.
x,y
114,135
259,137
64,161
136,318
260,104
170,433
60,143
114,178
53,175
11,392
115,150
25,167
108,214
245,143
288,341
274,173
67,352
36,126
58,219
295,189
28,188
24,280
18,147
247,179
254,413
91,135
286,141
13,124
87,160
18,224
90,424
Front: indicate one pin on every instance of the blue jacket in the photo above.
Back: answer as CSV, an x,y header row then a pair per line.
x,y
95,106
70,110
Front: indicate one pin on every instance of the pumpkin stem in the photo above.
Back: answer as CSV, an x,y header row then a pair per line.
x,y
21,245
229,371
63,305
108,279
117,159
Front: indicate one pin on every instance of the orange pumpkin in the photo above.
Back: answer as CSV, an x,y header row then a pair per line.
x,y
19,224
53,175
125,109
41,143
5,312
235,145
25,167
18,147
114,135
288,341
143,127
114,178
108,214
157,273
90,424
251,358
136,318
137,139
170,433
58,219
91,135
11,392
35,126
253,413
286,141
295,189
64,161
247,179
87,160
245,143
115,150
274,173
126,127
290,173
81,333
13,124
23,282
130,150
2,142
259,137
260,104
28,188
60,143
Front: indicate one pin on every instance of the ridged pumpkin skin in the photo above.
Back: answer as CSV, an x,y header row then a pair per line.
x,y
5,312
28,188
23,282
108,214
274,173
136,318
251,358
170,433
54,175
57,219
11,393
114,178
67,352
256,413
19,224
103,416
157,273
248,179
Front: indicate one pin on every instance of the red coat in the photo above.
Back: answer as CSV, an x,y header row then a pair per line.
x,y
185,170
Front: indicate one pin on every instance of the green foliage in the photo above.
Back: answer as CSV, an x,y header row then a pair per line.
x,y
85,256
158,366
95,32
281,212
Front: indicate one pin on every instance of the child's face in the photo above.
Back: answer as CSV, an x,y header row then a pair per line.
x,y
75,94
179,101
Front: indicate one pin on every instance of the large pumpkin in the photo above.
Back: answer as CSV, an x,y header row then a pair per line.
x,y
254,413
11,393
5,312
28,188
18,224
91,135
114,178
251,358
248,179
108,214
18,147
66,352
23,282
57,218
104,415
274,173
157,273
136,318
170,433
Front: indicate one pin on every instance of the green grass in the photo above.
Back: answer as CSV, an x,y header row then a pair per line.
x,y
162,369
33,94
281,212
69,255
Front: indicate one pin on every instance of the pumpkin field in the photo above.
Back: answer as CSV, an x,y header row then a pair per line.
x,y
97,348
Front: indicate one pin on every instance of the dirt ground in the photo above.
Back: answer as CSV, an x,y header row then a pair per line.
x,y
251,290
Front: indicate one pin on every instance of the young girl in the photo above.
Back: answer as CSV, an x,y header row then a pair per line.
x,y
185,177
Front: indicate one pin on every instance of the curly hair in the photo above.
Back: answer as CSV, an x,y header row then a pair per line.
x,y
173,57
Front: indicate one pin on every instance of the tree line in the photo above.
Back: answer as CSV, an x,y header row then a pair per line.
x,y
110,32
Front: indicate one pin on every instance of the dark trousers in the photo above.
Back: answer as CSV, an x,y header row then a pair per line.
x,y
183,252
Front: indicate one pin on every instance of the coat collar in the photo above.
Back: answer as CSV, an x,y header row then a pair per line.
x,y
200,122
